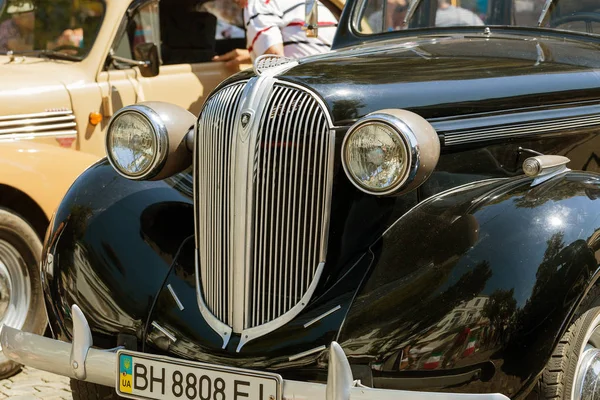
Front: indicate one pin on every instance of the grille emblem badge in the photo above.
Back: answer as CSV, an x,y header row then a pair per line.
x,y
245,119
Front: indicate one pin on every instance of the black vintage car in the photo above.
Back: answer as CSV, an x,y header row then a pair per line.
x,y
415,214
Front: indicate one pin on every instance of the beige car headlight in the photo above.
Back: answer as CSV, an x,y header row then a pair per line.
x,y
136,142
390,151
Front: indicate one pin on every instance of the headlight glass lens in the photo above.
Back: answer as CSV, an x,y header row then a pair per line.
x,y
132,144
376,157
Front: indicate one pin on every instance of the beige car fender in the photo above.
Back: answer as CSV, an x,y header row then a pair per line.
x,y
43,172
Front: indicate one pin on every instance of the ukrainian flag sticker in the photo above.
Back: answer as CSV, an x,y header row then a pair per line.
x,y
125,375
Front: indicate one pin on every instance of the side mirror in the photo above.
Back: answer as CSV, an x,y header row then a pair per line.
x,y
311,21
149,53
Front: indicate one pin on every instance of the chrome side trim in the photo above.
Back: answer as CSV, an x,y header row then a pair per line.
x,y
306,353
474,135
320,317
168,334
177,301
32,135
36,121
35,115
38,128
261,330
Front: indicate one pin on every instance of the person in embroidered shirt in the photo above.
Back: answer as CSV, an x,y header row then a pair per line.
x,y
275,27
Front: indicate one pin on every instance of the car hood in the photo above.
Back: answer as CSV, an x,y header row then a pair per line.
x,y
32,85
443,76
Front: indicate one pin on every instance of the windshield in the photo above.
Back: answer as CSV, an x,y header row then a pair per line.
x,y
377,16
66,28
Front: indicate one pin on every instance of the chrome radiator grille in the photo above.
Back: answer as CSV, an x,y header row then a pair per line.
x,y
290,190
52,123
287,189
214,141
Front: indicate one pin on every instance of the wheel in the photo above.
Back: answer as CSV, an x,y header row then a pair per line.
x,y
573,371
21,300
90,391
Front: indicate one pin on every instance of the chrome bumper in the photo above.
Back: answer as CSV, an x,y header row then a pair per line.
x,y
80,361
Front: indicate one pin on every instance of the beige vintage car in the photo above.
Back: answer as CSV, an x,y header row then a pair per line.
x,y
65,67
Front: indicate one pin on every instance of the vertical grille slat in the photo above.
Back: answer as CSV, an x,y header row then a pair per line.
x,y
287,203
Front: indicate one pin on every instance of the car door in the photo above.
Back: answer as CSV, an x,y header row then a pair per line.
x,y
179,82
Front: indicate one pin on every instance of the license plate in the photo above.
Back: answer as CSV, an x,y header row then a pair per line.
x,y
145,376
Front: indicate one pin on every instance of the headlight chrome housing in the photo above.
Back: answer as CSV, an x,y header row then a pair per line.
x,y
390,152
137,142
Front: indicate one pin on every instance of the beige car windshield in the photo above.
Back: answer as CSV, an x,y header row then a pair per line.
x,y
51,26
378,16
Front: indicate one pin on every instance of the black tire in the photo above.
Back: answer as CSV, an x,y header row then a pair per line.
x,y
558,378
90,391
18,237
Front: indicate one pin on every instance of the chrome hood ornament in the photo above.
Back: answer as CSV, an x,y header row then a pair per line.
x,y
273,64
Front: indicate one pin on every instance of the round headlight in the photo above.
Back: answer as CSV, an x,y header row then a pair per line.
x,y
136,142
376,157
390,151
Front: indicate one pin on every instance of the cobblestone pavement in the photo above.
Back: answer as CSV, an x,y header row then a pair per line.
x,y
32,384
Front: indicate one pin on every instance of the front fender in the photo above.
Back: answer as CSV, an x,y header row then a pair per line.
x,y
473,287
109,247
41,171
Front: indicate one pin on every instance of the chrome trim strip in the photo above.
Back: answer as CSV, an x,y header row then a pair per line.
x,y
34,121
328,195
25,136
320,317
242,172
36,115
164,331
261,330
306,353
474,135
37,128
179,304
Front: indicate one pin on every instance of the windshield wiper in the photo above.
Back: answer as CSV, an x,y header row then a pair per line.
x,y
46,53
544,15
412,7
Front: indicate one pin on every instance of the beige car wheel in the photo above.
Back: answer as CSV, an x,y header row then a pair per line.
x,y
21,299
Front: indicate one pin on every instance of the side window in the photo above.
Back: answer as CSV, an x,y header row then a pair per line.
x,y
147,25
142,27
